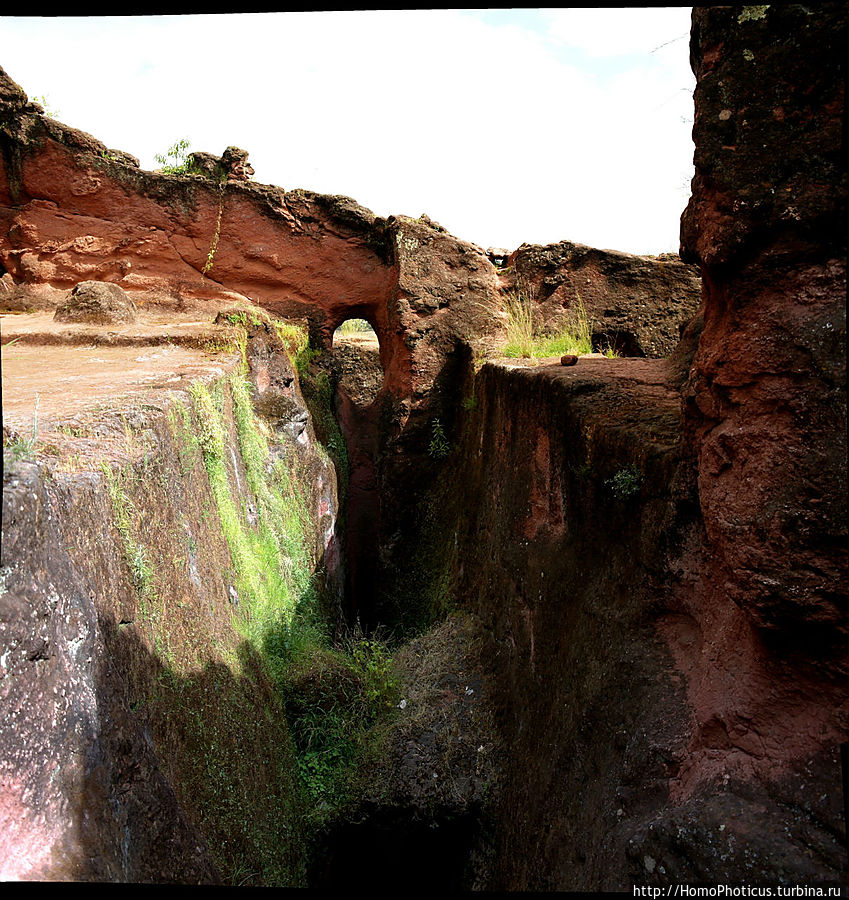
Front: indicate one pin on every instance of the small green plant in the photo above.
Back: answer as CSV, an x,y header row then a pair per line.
x,y
175,160
374,665
43,102
439,446
625,483
21,447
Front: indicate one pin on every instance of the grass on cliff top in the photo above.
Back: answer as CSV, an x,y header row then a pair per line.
x,y
524,339
293,336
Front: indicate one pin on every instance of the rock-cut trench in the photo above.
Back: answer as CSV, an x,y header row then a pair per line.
x,y
613,589
358,374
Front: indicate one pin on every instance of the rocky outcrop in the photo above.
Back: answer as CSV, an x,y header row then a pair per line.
x,y
232,165
696,737
649,555
655,736
72,211
638,305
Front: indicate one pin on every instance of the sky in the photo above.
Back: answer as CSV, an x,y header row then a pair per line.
x,y
506,126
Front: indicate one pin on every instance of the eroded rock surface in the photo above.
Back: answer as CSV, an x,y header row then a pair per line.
x,y
141,738
638,305
766,407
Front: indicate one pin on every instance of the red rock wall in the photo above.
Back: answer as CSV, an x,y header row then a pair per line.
x,y
766,406
72,210
673,668
142,740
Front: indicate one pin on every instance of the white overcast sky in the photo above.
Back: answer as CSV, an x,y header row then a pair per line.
x,y
505,126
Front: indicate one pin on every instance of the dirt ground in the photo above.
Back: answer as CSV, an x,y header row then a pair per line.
x,y
54,374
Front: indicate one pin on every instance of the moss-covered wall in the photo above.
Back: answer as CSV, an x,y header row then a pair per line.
x,y
190,550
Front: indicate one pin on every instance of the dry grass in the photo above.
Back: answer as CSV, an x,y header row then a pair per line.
x,y
523,339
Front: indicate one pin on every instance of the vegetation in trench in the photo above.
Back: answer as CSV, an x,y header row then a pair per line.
x,y
439,446
304,358
519,306
625,483
334,697
333,691
267,589
234,762
524,339
135,553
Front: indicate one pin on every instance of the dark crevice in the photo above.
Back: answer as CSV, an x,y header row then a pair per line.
x,y
357,404
392,849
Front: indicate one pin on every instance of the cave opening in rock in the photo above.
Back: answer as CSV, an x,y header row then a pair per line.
x,y
620,342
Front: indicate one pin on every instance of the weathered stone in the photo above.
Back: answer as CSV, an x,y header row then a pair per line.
x,y
206,164
637,305
236,164
137,747
97,303
766,405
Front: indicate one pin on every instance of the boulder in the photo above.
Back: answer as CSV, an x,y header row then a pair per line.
x,y
97,303
236,164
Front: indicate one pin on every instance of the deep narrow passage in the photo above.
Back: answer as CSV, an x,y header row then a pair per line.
x,y
357,405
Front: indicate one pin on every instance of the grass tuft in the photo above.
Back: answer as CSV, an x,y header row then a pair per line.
x,y
524,341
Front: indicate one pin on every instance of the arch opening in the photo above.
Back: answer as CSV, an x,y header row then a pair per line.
x,y
355,330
